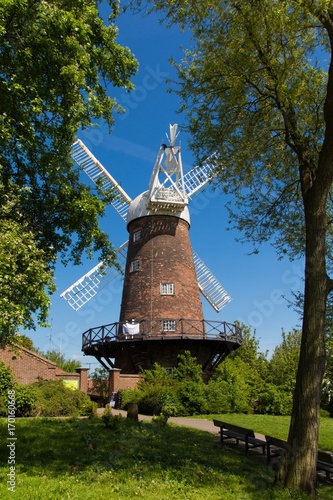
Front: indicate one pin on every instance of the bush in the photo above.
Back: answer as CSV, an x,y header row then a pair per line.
x,y
6,379
227,396
274,401
217,397
192,398
54,399
25,400
130,396
159,397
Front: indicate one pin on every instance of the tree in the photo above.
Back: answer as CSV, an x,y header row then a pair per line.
x,y
25,277
100,378
276,398
58,62
187,368
68,365
257,87
284,361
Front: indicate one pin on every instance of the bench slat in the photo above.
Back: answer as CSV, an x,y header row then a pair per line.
x,y
232,431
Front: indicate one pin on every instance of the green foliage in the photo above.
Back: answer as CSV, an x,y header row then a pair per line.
x,y
24,341
112,422
157,374
93,410
68,365
284,362
187,368
100,378
192,397
6,378
245,382
231,379
130,396
274,400
6,383
157,399
25,400
54,399
59,61
25,277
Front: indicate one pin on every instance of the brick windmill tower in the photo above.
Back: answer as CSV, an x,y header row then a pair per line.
x,y
161,312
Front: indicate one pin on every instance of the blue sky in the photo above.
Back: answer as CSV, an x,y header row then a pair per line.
x,y
259,285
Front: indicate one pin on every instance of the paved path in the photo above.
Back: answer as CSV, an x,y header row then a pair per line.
x,y
196,423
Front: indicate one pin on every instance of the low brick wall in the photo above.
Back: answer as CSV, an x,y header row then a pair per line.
x,y
28,367
118,381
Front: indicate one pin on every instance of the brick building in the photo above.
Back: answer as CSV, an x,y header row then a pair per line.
x,y
28,366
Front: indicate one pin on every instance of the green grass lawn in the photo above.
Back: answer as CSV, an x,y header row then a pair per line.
x,y
276,426
81,459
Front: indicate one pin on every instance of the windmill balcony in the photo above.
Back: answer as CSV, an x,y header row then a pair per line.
x,y
159,329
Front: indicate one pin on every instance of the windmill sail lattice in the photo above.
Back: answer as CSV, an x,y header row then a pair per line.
x,y
78,294
101,177
209,286
199,176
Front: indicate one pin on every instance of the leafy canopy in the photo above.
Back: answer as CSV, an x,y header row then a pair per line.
x,y
253,86
59,63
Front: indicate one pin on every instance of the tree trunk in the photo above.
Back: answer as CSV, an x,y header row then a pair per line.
x,y
298,466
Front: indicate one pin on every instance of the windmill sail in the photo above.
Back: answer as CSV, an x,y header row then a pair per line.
x,y
101,177
199,176
78,294
181,186
209,286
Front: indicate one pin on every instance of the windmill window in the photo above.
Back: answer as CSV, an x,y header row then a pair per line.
x,y
135,265
136,236
169,325
167,289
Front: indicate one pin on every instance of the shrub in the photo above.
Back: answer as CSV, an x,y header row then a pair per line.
x,y
130,396
217,397
157,398
192,397
274,401
227,396
25,400
6,379
112,422
188,368
54,399
6,383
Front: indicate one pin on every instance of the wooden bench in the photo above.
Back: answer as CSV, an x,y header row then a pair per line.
x,y
275,447
237,433
325,462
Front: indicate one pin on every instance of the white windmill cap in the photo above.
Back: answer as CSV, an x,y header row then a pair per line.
x,y
139,207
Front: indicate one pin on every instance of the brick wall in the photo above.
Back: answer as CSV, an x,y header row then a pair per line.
x,y
119,381
165,256
27,366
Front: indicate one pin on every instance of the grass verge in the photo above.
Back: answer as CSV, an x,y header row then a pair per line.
x,y
81,459
276,426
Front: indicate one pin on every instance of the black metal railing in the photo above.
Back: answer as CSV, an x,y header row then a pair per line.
x,y
162,328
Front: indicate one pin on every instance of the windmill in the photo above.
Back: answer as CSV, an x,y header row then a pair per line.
x,y
163,276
